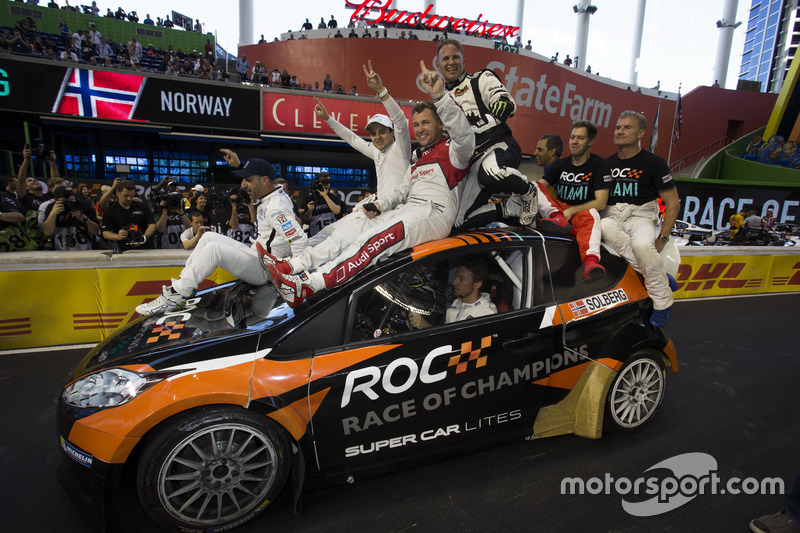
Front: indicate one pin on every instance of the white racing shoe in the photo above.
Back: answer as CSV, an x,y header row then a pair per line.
x,y
528,206
168,301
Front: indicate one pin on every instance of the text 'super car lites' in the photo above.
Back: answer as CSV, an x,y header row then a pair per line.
x,y
209,409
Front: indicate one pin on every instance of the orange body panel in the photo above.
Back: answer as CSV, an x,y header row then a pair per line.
x,y
115,431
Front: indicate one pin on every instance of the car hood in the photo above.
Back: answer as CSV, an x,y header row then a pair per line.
x,y
215,324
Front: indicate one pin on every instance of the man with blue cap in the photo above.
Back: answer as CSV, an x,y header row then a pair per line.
x,y
278,230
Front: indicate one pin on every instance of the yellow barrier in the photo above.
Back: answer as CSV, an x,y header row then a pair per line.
x,y
46,301
724,275
77,305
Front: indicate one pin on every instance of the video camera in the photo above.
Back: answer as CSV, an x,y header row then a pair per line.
x,y
172,200
241,196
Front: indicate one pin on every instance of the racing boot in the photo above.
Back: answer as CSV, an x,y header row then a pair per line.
x,y
168,301
293,288
528,206
673,283
556,224
660,317
266,258
592,270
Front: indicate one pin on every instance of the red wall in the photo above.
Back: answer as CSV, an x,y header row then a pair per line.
x,y
707,112
549,97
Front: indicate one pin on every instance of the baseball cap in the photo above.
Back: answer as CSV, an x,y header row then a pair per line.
x,y
380,119
255,167
198,188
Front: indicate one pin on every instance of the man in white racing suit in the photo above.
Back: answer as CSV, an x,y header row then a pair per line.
x,y
421,209
390,147
278,231
487,105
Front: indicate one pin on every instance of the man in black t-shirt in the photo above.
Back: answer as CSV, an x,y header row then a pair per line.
x,y
128,222
581,183
629,222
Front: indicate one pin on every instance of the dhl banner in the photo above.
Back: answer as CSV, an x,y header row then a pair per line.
x,y
73,306
725,275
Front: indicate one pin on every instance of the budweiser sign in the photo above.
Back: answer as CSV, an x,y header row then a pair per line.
x,y
381,12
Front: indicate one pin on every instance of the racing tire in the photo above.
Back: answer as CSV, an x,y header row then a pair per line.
x,y
635,394
212,467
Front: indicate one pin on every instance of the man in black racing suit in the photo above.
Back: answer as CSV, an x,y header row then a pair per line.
x,y
487,105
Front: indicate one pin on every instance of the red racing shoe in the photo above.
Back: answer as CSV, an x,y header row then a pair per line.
x,y
266,258
293,288
592,270
556,224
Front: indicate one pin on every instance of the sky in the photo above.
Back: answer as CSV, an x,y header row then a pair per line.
x,y
679,47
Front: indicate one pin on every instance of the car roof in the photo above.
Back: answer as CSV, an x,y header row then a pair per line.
x,y
471,238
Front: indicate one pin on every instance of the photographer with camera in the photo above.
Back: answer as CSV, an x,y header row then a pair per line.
x,y
66,222
173,220
240,225
197,229
128,222
321,207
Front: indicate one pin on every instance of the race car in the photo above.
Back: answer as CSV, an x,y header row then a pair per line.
x,y
210,408
686,233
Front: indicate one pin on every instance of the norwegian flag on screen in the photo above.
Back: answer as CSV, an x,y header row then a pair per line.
x,y
94,93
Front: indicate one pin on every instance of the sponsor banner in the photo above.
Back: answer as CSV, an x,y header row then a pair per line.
x,y
724,275
30,87
211,105
295,113
713,206
94,303
549,97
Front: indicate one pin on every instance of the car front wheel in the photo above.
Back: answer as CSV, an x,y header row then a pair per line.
x,y
635,394
212,467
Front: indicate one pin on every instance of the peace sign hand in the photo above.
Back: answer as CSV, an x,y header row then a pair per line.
x,y
373,78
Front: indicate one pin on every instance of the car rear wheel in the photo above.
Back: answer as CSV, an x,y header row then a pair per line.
x,y
636,393
212,467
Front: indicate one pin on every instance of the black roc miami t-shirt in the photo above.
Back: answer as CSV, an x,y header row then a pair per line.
x,y
575,185
639,179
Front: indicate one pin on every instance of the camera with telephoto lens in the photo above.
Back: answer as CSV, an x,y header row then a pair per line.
x,y
68,195
319,184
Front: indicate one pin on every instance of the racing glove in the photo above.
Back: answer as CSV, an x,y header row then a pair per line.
x,y
503,108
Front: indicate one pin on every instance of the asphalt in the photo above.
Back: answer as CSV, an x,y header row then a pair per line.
x,y
735,399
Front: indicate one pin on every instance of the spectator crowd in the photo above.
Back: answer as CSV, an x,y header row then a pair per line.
x,y
52,214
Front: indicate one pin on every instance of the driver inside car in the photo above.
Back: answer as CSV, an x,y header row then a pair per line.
x,y
472,275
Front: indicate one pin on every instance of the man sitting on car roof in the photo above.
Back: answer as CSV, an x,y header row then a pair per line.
x,y
421,209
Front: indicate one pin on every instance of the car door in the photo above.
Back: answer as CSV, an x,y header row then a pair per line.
x,y
413,394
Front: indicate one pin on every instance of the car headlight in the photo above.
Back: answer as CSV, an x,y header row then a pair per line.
x,y
108,388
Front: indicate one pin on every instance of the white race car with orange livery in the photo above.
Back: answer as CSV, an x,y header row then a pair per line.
x,y
208,409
